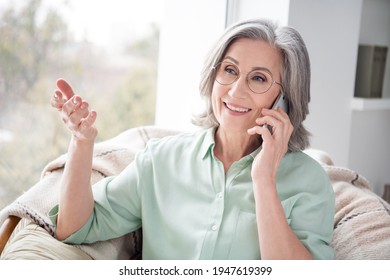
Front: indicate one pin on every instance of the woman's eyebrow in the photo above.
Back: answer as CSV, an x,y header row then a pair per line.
x,y
261,69
232,59
253,68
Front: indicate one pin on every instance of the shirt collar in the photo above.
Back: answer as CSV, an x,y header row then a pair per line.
x,y
256,152
209,143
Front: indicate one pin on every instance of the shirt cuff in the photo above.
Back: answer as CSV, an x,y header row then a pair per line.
x,y
77,237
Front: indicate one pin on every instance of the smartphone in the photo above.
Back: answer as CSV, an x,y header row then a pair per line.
x,y
280,102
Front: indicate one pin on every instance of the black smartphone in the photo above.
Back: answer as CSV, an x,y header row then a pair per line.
x,y
280,102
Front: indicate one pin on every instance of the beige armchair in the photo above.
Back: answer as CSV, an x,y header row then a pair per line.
x,y
361,222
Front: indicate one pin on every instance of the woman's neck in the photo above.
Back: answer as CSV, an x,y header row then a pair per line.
x,y
232,146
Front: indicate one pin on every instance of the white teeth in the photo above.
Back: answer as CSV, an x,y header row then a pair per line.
x,y
237,109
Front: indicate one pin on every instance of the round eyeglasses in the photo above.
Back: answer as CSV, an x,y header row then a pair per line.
x,y
259,80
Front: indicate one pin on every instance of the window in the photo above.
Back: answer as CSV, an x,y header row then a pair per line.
x,y
108,53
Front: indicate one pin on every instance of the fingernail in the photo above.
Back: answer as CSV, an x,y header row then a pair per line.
x,y
74,101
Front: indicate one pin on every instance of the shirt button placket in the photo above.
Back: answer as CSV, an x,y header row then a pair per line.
x,y
216,214
219,213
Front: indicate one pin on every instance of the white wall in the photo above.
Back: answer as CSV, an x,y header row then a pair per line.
x,y
188,31
370,152
276,10
370,129
331,31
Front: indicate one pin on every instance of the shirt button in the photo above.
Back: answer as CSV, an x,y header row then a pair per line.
x,y
214,227
220,195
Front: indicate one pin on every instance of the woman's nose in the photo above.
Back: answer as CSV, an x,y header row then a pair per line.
x,y
239,89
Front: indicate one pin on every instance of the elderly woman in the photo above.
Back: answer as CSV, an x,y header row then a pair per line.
x,y
240,188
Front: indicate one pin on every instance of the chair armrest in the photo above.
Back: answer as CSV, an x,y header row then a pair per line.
x,y
6,230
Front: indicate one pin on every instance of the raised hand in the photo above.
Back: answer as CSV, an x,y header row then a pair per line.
x,y
74,112
275,144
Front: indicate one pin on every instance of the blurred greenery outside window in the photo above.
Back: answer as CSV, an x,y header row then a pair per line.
x,y
36,48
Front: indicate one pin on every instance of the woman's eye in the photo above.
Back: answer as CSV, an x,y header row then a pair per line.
x,y
260,79
230,71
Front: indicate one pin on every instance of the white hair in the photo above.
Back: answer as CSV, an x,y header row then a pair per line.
x,y
295,73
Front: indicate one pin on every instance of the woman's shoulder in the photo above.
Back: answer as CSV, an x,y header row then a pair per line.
x,y
183,141
180,137
302,161
300,167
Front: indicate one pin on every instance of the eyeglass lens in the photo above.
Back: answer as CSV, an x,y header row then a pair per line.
x,y
259,81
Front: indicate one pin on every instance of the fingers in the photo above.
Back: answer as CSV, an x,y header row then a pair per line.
x,y
263,130
88,121
63,93
83,128
272,124
71,106
57,101
272,117
75,105
74,111
65,88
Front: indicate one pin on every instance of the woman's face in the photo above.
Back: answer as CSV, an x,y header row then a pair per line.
x,y
236,106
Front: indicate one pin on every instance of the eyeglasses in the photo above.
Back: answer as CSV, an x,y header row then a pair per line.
x,y
259,80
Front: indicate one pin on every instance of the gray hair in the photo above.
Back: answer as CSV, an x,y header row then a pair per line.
x,y
295,73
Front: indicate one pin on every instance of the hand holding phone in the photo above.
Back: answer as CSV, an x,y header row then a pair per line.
x,y
280,102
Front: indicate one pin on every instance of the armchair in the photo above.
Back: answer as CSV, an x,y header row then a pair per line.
x,y
361,221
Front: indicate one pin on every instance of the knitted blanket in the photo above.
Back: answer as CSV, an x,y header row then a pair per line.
x,y
361,224
362,218
110,157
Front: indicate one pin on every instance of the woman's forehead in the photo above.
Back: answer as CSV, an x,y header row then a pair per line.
x,y
251,53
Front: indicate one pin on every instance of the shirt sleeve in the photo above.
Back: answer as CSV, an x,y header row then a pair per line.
x,y
310,208
117,209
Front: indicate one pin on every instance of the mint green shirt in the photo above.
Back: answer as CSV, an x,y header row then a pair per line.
x,y
177,190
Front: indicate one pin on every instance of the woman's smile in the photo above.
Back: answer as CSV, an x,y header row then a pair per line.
x,y
236,108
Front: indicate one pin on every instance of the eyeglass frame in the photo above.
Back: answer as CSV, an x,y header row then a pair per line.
x,y
215,68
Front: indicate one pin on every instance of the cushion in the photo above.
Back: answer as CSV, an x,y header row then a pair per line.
x,y
33,242
362,218
362,224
